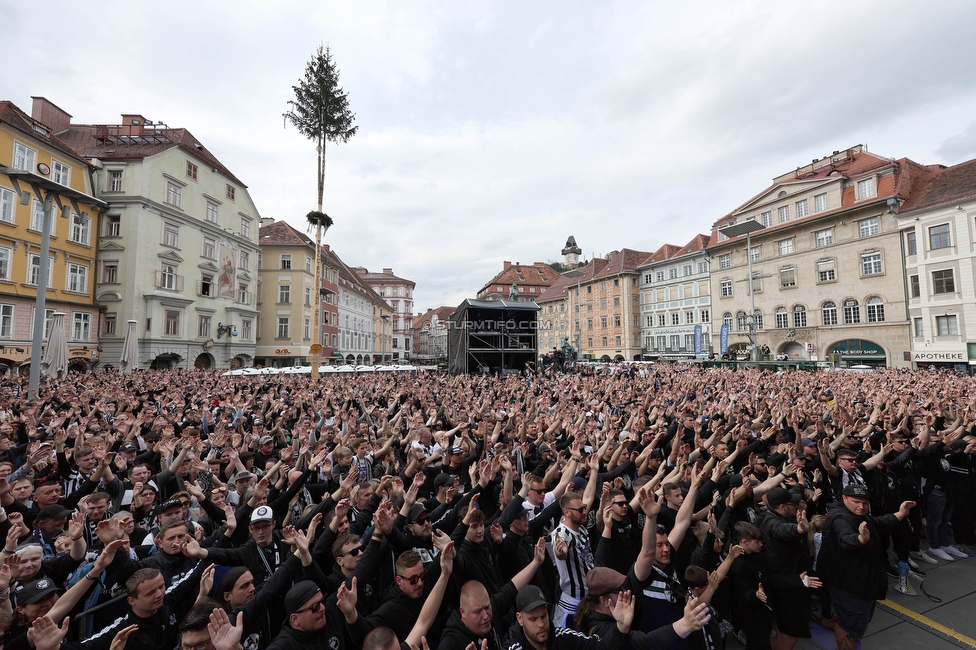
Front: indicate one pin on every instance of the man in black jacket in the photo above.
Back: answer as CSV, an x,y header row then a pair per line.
x,y
851,562
262,554
315,623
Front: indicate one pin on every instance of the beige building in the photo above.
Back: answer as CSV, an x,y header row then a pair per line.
x,y
609,307
555,315
827,266
938,229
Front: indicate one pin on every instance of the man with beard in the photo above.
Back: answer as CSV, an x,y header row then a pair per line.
x,y
534,628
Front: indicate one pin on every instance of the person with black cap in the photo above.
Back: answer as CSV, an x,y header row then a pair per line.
x,y
852,562
787,582
412,528
315,622
534,629
50,523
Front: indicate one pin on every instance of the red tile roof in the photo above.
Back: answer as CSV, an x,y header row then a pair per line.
x,y
280,233
21,121
626,261
942,186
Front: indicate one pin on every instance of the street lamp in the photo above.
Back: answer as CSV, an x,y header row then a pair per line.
x,y
747,228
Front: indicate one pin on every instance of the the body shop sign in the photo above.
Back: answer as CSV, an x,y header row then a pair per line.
x,y
858,349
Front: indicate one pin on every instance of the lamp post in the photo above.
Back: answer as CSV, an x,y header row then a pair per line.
x,y
747,228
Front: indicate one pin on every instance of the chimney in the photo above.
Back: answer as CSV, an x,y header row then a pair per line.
x,y
50,115
132,124
387,271
506,266
267,221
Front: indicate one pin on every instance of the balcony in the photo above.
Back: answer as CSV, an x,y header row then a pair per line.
x,y
244,297
169,281
206,289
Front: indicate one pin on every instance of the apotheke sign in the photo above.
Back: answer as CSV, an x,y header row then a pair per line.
x,y
939,357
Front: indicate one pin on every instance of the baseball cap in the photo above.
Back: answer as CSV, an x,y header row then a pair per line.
x,y
262,513
657,453
128,447
807,442
300,594
443,479
604,580
166,505
778,496
856,490
417,510
242,475
530,597
35,591
52,512
257,421
265,440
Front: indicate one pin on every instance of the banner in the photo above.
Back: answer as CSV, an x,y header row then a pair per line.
x,y
698,340
724,340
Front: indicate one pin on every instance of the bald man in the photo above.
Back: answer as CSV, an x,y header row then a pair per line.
x,y
479,613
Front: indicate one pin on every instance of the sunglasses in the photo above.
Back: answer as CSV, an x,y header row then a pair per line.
x,y
413,580
580,510
421,521
619,503
538,490
353,552
312,608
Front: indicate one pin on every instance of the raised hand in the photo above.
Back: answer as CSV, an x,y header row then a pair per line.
x,y
118,643
863,533
346,598
623,611
45,635
223,634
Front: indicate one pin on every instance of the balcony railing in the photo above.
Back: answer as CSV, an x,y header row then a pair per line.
x,y
169,281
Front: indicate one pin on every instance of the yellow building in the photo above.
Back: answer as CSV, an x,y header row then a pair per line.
x,y
35,163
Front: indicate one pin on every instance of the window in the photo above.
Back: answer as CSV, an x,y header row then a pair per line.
x,y
824,237
48,321
871,264
60,172
672,274
783,213
725,261
758,319
285,261
787,278
37,215
168,278
616,301
245,227
919,328
756,284
7,204
785,246
686,269
245,330
171,235
661,320
820,202
754,254
245,262
113,225
660,276
868,227
939,237
782,318
284,293
80,229
603,341
741,321
203,327
207,286
866,189
191,170
211,212
603,322
705,316
5,255
6,321
703,267
282,327
727,319
174,194
726,288
852,312
689,317
766,218
81,326
209,248
801,208
308,296
111,324
171,323
242,294
110,272
77,278
115,180
826,271
943,281
828,313
34,270
25,158
874,307
799,316
308,329
913,282
674,318
308,267
230,192
946,326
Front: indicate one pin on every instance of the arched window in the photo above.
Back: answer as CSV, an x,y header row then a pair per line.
x,y
757,315
875,309
828,313
799,316
852,312
740,321
782,319
727,319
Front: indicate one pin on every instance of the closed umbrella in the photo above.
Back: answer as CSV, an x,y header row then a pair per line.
x,y
55,361
130,350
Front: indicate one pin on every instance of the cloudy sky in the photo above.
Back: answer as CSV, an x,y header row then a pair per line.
x,y
491,131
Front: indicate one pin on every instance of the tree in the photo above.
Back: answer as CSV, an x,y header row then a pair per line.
x,y
320,112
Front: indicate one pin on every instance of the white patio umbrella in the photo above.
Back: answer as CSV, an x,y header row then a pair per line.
x,y
130,349
55,361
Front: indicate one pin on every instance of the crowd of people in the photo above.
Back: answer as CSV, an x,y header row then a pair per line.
x,y
655,507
